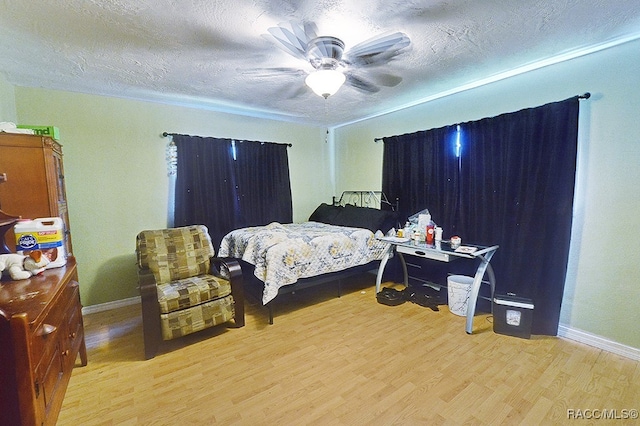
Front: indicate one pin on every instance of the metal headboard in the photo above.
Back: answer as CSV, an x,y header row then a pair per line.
x,y
373,199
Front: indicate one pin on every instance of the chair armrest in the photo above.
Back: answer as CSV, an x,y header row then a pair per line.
x,y
147,283
237,285
150,311
229,263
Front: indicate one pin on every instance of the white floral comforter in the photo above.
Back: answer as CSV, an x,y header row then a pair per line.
x,y
283,253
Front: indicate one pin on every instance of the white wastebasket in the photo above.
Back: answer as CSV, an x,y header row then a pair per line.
x,y
458,291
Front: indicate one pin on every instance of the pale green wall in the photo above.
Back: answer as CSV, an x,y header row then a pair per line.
x,y
602,291
116,172
7,101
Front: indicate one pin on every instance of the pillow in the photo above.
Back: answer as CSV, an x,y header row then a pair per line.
x,y
390,220
366,217
325,213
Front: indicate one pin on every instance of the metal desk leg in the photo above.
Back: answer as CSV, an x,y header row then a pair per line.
x,y
475,287
405,274
383,264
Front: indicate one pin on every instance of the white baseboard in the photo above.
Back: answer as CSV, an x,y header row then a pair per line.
x,y
110,305
599,342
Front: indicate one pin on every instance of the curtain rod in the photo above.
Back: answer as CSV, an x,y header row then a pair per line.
x,y
165,134
586,95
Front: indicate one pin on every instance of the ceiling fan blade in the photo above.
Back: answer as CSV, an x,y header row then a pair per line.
x,y
361,84
381,43
306,31
377,50
289,41
293,92
384,79
271,72
294,37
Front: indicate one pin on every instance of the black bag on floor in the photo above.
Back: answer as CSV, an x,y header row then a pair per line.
x,y
391,296
424,295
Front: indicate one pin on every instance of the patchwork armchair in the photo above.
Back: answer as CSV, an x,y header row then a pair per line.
x,y
184,288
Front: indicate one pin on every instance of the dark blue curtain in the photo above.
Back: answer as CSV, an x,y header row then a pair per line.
x,y
506,180
226,184
421,170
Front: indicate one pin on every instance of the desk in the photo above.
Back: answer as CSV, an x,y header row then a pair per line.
x,y
443,252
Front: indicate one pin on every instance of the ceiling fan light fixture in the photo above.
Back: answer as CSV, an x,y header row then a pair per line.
x,y
325,82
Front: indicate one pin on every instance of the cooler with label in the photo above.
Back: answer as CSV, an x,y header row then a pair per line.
x,y
45,234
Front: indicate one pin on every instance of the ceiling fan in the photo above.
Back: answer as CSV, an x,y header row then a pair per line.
x,y
331,65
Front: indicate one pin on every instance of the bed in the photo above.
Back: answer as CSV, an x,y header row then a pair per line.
x,y
337,242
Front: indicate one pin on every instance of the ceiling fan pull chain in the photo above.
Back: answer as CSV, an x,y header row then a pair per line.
x,y
326,110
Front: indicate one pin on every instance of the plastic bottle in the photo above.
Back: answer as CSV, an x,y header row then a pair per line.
x,y
429,232
438,234
407,230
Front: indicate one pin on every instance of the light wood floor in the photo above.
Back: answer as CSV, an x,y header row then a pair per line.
x,y
343,361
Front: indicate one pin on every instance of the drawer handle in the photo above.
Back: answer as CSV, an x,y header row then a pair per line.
x,y
420,253
65,352
72,335
47,329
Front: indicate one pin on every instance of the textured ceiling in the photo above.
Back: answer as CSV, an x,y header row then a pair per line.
x,y
200,52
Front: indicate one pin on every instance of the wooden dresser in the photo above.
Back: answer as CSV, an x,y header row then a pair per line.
x,y
41,335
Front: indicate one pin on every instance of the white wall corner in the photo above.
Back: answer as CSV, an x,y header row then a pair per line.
x,y
599,342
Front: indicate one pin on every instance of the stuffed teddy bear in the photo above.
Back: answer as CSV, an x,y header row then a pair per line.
x,y
21,267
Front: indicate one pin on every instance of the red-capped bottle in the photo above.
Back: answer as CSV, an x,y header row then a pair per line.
x,y
429,234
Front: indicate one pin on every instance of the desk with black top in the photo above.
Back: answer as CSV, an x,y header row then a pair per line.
x,y
443,252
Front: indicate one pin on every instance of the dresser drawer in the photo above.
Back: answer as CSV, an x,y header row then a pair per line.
x,y
43,338
74,330
48,376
